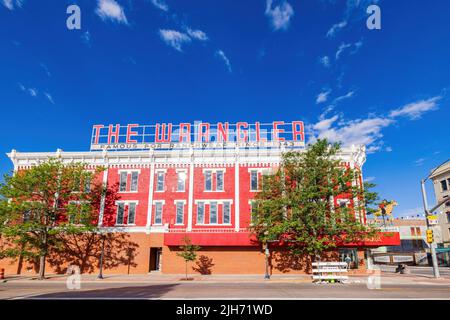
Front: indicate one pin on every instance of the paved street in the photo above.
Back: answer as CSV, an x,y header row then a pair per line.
x,y
226,287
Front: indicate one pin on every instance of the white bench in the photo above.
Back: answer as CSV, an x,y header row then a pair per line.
x,y
329,271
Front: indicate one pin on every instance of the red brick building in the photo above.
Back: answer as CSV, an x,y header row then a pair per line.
x,y
204,193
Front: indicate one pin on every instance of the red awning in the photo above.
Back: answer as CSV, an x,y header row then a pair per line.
x,y
236,239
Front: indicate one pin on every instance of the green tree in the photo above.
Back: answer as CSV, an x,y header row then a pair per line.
x,y
39,204
296,203
370,198
188,253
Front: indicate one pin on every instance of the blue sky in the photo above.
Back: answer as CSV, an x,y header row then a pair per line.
x,y
147,61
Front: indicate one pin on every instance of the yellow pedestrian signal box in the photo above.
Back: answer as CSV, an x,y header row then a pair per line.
x,y
430,236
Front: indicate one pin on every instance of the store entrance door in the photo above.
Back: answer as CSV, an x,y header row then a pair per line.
x,y
155,259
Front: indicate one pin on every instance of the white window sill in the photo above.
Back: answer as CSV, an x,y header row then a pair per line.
x,y
214,191
214,224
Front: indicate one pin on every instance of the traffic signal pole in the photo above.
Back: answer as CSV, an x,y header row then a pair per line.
x,y
433,244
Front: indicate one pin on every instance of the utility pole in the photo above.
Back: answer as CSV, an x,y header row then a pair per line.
x,y
433,244
428,213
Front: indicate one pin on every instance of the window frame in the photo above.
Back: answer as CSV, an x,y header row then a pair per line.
x,y
257,180
200,204
206,174
222,174
131,181
119,205
226,204
215,212
156,203
129,211
163,175
179,204
179,174
121,182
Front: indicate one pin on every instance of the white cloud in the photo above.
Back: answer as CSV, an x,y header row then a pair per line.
x,y
223,57
280,15
325,61
388,149
33,92
415,110
335,28
341,49
86,37
356,46
111,10
359,132
12,4
174,38
197,34
322,97
161,5
44,66
369,179
49,97
419,161
346,96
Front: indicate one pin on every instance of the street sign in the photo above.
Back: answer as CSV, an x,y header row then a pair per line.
x,y
432,220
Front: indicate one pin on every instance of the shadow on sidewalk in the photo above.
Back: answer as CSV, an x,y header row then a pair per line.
x,y
135,292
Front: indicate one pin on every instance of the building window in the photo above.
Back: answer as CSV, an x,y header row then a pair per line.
x,y
444,186
160,181
123,181
120,213
208,181
213,212
131,212
226,212
253,180
87,184
219,180
181,181
134,181
158,212
201,212
180,212
448,216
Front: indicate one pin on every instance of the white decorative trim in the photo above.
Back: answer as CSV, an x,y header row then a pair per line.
x,y
214,170
159,201
218,201
179,201
128,171
126,202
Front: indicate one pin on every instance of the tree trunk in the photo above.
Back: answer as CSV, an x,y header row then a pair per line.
x,y
186,270
42,267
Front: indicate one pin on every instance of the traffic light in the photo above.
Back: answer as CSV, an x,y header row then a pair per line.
x,y
430,236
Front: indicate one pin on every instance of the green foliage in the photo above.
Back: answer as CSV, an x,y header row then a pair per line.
x,y
370,198
296,207
189,252
47,200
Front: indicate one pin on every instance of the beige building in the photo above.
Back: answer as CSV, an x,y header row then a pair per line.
x,y
441,183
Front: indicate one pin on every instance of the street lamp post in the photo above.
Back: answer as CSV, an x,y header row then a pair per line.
x,y
429,212
433,244
266,254
100,274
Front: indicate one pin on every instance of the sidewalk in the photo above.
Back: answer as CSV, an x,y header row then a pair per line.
x,y
224,278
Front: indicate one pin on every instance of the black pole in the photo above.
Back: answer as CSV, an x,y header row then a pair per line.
x,y
266,254
100,275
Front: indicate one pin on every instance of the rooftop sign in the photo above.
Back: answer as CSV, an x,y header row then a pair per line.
x,y
199,135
